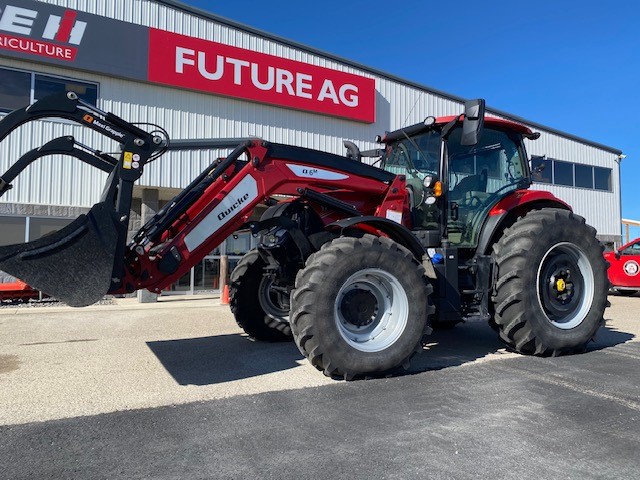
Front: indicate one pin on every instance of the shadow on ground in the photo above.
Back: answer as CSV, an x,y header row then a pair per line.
x,y
225,358
609,337
462,344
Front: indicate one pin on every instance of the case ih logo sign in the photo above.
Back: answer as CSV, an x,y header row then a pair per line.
x,y
18,33
46,33
213,67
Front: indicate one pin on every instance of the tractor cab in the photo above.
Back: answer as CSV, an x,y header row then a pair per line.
x,y
457,168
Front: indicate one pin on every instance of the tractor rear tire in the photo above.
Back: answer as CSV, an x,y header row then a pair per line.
x,y
255,311
360,307
551,289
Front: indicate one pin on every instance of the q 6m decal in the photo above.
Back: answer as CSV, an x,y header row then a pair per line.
x,y
303,171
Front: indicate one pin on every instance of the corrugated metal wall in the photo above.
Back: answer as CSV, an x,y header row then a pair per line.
x,y
601,209
195,115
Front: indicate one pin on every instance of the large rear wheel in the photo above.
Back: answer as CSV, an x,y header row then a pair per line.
x,y
260,308
360,307
551,289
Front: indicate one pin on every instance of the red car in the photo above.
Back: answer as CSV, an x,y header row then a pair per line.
x,y
624,272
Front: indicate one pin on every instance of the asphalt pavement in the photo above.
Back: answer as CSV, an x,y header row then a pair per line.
x,y
175,390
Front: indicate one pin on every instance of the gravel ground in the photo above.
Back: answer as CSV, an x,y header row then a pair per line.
x,y
49,302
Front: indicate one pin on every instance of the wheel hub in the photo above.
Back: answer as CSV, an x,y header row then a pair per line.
x,y
359,307
562,287
274,300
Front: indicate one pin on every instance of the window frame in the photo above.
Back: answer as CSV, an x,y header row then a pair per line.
x,y
33,74
552,164
610,182
557,166
548,162
575,175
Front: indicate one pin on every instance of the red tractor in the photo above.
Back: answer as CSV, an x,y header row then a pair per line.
x,y
355,262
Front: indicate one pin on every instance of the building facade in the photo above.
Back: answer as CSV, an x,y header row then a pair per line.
x,y
201,76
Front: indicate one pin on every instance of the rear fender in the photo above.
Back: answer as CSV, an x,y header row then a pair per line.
x,y
509,209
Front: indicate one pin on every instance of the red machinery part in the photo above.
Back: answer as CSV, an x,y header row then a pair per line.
x,y
17,290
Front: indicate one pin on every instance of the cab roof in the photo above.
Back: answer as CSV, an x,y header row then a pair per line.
x,y
494,121
441,121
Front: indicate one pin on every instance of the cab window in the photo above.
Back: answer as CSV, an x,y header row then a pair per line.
x,y
496,159
420,155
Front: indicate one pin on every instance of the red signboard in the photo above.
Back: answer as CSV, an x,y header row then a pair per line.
x,y
47,33
212,67
35,47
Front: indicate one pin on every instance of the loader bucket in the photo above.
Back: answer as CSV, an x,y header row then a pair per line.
x,y
74,264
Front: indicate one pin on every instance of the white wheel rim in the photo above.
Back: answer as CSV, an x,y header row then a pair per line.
x,y
371,310
567,256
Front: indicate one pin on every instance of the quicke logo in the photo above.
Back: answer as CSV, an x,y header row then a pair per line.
x,y
233,206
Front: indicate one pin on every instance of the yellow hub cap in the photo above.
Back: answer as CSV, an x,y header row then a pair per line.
x,y
560,285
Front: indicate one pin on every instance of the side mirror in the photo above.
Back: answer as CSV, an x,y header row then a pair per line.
x,y
473,122
617,254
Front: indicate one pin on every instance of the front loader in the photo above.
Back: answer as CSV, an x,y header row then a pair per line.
x,y
356,263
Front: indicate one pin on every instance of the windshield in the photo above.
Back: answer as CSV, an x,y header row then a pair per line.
x,y
419,154
415,157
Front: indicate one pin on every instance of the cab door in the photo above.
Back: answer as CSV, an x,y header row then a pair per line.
x,y
477,177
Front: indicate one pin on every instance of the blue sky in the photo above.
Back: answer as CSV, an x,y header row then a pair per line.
x,y
572,65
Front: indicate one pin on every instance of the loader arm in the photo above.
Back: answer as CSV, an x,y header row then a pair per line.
x,y
89,258
202,216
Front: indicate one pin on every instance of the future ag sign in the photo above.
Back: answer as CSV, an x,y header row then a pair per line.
x,y
236,72
50,34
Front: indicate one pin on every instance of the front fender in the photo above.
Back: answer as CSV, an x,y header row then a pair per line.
x,y
395,231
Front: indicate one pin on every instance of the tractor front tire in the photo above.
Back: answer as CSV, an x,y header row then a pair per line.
x,y
255,310
551,288
360,307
